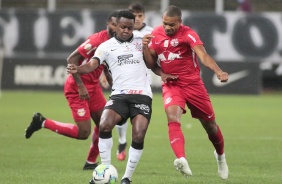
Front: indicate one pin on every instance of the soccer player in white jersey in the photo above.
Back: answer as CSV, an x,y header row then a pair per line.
x,y
141,28
131,95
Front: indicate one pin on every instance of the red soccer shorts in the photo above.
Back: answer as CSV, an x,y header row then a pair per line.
x,y
81,109
194,95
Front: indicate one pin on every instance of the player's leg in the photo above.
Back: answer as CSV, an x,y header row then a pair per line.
x,y
140,122
174,105
201,108
81,115
96,105
177,139
121,132
108,120
216,138
139,128
79,131
115,111
91,160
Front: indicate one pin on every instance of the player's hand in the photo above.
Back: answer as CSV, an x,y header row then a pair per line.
x,y
104,82
83,93
222,76
147,39
71,68
168,77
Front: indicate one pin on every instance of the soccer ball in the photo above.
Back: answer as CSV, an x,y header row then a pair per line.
x,y
104,174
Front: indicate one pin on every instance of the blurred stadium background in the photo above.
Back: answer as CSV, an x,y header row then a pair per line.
x,y
36,36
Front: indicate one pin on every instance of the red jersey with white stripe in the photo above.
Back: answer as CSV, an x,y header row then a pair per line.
x,y
87,50
176,53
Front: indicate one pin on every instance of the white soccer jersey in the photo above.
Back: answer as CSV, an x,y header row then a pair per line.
x,y
126,64
145,30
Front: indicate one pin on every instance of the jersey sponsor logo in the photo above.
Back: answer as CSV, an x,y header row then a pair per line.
x,y
168,100
131,91
143,107
166,43
231,78
81,112
174,42
168,57
113,49
127,59
127,56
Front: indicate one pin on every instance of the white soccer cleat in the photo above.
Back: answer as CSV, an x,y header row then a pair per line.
x,y
182,166
222,166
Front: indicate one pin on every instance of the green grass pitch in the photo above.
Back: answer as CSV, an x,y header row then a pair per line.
x,y
251,125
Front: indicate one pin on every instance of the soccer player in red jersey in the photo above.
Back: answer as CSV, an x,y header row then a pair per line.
x,y
177,47
85,97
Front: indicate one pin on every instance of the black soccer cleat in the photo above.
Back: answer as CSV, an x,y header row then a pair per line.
x,y
121,147
88,166
91,181
125,181
35,124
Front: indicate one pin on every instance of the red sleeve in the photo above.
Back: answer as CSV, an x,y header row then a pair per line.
x,y
87,48
153,40
193,38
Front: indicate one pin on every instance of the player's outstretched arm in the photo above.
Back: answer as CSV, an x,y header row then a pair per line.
x,y
210,63
86,68
74,59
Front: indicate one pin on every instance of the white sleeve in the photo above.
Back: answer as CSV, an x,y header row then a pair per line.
x,y
101,54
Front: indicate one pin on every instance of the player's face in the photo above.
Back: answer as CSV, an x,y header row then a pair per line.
x,y
124,28
111,26
171,24
139,19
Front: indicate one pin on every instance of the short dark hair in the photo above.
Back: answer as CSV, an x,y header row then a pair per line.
x,y
172,11
126,14
112,14
136,8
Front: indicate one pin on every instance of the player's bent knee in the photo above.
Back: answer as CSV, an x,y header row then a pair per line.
x,y
105,127
138,137
83,135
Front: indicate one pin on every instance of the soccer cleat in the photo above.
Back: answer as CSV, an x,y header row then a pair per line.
x,y
125,181
88,166
121,153
182,166
222,166
35,124
91,181
121,156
